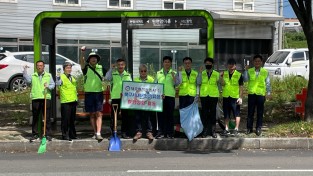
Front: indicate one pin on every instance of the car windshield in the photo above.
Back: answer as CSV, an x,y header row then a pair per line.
x,y
278,57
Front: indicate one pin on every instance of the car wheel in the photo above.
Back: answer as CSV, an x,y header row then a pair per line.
x,y
18,84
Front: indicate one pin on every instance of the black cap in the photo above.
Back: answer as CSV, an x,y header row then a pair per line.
x,y
93,55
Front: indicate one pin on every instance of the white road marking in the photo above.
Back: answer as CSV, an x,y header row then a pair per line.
x,y
156,171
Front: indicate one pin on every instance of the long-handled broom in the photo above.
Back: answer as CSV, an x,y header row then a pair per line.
x,y
43,145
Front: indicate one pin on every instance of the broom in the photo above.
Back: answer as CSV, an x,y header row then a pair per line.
x,y
43,145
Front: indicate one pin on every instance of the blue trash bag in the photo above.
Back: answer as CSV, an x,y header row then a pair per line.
x,y
190,121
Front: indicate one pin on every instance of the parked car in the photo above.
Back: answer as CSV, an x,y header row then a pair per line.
x,y
11,68
288,62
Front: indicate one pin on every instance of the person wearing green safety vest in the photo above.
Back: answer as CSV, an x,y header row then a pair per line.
x,y
259,88
93,76
68,98
167,76
232,83
209,94
143,117
41,83
117,74
187,80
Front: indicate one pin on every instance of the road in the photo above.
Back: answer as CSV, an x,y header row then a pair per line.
x,y
152,163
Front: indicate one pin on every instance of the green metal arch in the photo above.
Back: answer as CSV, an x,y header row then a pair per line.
x,y
45,23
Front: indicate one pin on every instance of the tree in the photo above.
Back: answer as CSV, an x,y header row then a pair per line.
x,y
303,11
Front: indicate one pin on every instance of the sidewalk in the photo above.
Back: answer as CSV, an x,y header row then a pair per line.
x,y
16,140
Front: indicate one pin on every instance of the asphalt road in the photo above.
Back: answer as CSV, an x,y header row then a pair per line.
x,y
152,163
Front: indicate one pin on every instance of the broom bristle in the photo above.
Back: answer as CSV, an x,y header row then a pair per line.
x,y
43,146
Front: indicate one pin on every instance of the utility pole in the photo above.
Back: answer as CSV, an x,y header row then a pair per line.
x,y
280,25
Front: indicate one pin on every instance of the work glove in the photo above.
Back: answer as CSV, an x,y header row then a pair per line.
x,y
239,101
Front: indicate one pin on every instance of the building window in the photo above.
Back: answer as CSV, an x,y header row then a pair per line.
x,y
10,1
243,5
121,4
174,4
67,2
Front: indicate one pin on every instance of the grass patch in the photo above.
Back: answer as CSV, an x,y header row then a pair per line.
x,y
292,129
8,97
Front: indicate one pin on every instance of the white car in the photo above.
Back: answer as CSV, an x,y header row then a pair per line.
x,y
12,63
289,62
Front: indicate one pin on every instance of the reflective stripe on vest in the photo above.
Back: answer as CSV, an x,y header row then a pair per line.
x,y
209,87
188,86
231,87
169,89
117,82
92,81
38,87
149,79
257,84
68,92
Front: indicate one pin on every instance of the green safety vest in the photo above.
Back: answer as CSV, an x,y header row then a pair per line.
x,y
68,92
209,87
169,89
92,81
38,88
117,82
231,87
188,86
257,84
149,79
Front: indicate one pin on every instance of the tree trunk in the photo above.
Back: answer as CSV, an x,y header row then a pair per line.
x,y
303,11
308,116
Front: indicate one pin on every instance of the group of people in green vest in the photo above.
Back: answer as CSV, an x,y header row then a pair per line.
x,y
206,86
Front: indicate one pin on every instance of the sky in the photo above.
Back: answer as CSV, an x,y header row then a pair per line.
x,y
288,12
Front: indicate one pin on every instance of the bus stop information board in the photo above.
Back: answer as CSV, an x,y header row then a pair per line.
x,y
166,23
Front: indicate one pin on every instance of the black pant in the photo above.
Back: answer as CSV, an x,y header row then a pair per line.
x,y
68,113
143,118
38,113
208,117
230,105
166,118
185,101
126,122
258,102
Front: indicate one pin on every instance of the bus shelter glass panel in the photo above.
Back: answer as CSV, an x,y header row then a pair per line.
x,y
151,45
71,37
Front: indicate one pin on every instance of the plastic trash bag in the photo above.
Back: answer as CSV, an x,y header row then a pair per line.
x,y
190,121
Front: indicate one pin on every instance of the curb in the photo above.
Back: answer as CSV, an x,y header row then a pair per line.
x,y
163,144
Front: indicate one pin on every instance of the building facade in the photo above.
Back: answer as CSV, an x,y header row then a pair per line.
x,y
242,28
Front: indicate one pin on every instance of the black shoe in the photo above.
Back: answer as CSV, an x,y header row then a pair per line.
x,y
124,136
235,132
49,138
65,138
258,132
159,136
249,131
170,136
214,135
204,135
225,133
33,138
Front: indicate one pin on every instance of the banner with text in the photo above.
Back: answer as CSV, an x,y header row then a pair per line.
x,y
142,96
